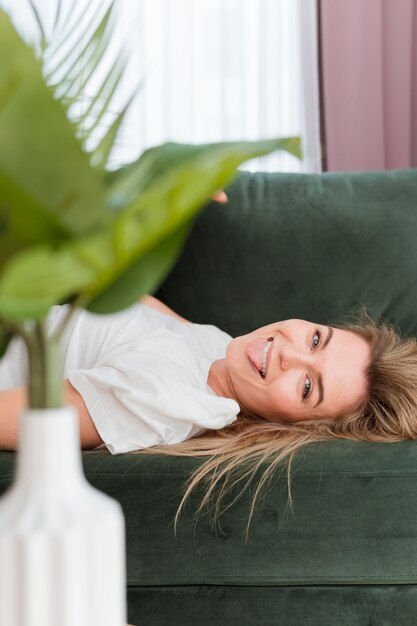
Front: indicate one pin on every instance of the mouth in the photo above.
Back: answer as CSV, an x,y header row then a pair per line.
x,y
259,355
267,361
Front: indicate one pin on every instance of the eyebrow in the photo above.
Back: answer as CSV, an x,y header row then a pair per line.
x,y
320,378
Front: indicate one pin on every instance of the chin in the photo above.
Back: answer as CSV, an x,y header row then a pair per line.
x,y
250,414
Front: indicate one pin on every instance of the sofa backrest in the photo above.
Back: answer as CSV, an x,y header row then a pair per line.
x,y
309,246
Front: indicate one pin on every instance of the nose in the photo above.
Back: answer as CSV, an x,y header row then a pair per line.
x,y
292,356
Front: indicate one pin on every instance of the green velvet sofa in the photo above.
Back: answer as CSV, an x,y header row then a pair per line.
x,y
316,247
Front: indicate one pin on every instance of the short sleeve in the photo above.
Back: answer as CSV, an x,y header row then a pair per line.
x,y
136,404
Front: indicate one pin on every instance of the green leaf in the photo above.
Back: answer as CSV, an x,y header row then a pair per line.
x,y
70,88
100,103
130,254
6,335
144,275
35,12
102,151
38,278
169,203
127,182
48,189
83,49
61,236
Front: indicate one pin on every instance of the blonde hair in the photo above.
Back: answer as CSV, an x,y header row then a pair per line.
x,y
387,413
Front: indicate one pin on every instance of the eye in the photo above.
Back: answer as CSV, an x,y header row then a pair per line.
x,y
307,388
316,339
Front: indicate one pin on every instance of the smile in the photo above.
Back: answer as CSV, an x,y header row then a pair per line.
x,y
259,354
265,357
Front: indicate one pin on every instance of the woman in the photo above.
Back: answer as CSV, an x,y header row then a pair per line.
x,y
134,377
354,381
254,398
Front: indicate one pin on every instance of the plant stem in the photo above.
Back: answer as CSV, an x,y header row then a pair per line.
x,y
45,384
79,302
45,375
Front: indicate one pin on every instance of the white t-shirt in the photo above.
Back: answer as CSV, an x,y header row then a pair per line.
x,y
141,373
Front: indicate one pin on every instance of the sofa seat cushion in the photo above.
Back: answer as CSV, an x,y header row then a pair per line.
x,y
353,520
228,605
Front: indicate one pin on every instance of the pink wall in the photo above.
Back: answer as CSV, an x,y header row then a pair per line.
x,y
369,73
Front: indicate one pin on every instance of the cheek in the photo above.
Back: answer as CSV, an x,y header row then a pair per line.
x,y
273,402
235,350
280,400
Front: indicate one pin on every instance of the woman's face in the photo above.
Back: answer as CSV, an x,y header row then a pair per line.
x,y
312,371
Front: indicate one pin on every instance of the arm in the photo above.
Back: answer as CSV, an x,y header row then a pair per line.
x,y
12,401
154,303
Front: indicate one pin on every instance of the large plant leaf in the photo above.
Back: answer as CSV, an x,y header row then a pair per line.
x,y
127,182
130,255
143,276
6,335
169,201
48,190
38,278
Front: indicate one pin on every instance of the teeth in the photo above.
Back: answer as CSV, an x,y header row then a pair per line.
x,y
264,357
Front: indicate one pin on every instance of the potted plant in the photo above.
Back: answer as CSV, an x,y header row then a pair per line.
x,y
71,231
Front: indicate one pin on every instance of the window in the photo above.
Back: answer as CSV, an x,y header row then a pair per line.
x,y
212,70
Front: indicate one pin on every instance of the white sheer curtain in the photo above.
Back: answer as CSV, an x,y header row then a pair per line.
x,y
217,70
212,70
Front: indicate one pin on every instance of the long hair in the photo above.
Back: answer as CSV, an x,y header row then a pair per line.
x,y
235,453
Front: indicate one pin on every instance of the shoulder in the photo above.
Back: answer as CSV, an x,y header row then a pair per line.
x,y
154,303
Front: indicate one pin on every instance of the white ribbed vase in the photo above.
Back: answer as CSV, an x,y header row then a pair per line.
x,y
62,542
